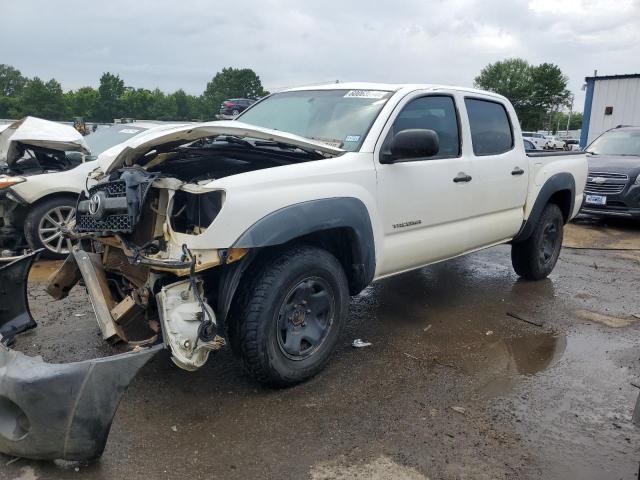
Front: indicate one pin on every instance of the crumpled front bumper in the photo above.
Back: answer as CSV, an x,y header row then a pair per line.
x,y
55,411
62,411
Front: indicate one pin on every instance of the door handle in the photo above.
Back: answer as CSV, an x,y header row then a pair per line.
x,y
462,177
517,171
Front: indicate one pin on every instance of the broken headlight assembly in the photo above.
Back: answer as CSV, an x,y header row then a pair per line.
x,y
6,182
193,212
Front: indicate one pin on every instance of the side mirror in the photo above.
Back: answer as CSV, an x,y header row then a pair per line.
x,y
74,157
411,144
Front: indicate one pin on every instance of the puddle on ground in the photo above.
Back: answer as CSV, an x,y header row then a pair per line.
x,y
504,362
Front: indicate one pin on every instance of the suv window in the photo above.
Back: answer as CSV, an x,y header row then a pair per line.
x,y
490,127
436,113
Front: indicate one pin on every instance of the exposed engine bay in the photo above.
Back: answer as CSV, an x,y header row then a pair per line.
x,y
144,285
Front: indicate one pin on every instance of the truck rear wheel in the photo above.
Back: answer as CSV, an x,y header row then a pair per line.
x,y
535,258
288,316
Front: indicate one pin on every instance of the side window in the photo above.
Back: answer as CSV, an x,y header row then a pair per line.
x,y
490,128
432,113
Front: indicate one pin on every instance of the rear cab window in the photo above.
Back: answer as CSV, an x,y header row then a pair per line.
x,y
491,131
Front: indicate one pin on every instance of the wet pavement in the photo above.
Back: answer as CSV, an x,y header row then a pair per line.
x,y
472,374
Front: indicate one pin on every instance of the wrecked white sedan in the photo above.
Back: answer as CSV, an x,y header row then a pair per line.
x,y
43,168
239,231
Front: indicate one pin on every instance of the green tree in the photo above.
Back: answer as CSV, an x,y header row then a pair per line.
x,y
137,103
11,84
230,83
41,99
82,102
559,121
163,106
11,81
535,91
185,105
110,94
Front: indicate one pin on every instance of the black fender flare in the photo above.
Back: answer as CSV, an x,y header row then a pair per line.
x,y
554,184
300,219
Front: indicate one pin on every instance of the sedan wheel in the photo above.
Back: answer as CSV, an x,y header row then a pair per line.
x,y
50,229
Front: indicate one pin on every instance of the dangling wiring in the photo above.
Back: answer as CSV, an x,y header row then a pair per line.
x,y
207,328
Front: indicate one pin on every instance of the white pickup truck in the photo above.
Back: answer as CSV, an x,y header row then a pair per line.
x,y
255,232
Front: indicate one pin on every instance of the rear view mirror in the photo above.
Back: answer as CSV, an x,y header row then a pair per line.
x,y
411,144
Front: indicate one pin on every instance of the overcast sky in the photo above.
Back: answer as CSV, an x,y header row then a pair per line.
x,y
183,43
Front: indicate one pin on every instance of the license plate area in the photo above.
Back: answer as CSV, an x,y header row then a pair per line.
x,y
595,200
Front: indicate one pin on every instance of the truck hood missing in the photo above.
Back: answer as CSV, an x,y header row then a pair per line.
x,y
128,153
36,132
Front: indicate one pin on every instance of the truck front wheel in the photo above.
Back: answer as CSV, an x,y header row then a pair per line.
x,y
535,257
288,316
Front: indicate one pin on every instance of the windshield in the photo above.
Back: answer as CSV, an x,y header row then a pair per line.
x,y
340,118
617,142
107,137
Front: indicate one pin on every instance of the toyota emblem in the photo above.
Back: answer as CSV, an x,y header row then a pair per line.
x,y
94,204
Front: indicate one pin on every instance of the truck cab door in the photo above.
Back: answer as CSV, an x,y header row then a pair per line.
x,y
424,202
500,170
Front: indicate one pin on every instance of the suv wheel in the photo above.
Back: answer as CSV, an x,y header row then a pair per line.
x,y
44,224
288,316
535,258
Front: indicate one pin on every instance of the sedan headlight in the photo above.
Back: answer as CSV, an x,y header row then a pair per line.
x,y
6,182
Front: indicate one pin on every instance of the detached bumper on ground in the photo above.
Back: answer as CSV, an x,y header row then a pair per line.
x,y
50,411
55,411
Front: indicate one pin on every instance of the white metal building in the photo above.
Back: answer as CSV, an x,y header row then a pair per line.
x,y
610,101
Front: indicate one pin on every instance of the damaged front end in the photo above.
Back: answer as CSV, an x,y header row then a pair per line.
x,y
144,256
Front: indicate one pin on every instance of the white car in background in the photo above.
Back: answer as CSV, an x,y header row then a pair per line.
x,y
44,168
538,139
554,143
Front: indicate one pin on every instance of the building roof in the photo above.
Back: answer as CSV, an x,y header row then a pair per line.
x,y
613,77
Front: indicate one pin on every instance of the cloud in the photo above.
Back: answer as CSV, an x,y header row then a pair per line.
x,y
182,44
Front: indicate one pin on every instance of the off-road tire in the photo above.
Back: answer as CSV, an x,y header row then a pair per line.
x,y
32,223
528,257
253,326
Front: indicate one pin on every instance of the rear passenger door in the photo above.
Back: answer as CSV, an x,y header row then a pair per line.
x,y
499,169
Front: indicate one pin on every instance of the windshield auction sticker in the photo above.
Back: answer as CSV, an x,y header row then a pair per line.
x,y
365,94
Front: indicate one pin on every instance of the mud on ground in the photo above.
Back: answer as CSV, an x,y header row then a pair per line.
x,y
473,374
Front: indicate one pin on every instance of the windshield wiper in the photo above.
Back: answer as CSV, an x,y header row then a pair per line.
x,y
235,140
284,146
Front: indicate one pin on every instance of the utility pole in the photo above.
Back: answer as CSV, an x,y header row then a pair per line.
x,y
570,112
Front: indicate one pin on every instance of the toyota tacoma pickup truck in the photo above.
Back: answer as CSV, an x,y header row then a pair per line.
x,y
255,232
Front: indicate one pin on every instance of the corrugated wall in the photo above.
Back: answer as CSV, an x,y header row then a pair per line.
x,y
623,95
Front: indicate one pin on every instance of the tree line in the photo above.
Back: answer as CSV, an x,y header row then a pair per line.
x,y
21,96
538,92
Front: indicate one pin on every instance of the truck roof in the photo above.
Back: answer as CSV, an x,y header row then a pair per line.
x,y
393,87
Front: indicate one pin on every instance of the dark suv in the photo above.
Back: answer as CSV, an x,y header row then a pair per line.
x,y
613,184
235,106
